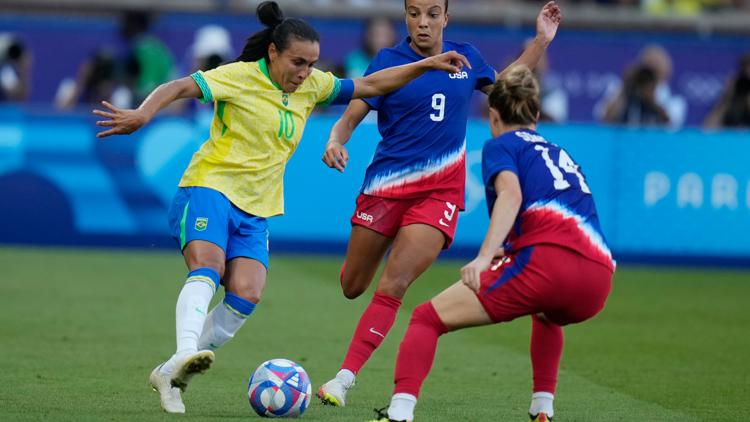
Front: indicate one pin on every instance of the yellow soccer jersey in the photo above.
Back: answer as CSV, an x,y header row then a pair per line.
x,y
255,130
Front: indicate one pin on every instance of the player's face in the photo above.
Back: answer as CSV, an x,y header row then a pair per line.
x,y
292,66
425,21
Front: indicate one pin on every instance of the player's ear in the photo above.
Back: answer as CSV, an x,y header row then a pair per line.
x,y
495,120
447,16
538,116
273,52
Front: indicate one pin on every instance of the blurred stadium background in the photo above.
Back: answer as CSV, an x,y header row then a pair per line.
x,y
652,97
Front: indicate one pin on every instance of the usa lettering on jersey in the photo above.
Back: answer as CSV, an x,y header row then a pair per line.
x,y
423,126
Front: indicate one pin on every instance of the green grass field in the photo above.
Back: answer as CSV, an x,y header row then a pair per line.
x,y
82,329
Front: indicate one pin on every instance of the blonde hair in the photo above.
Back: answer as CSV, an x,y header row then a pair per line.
x,y
515,96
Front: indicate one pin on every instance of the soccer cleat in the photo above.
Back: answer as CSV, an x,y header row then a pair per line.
x,y
333,393
196,363
171,401
539,417
382,416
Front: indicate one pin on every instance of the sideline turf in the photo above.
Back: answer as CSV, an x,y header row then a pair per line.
x,y
82,329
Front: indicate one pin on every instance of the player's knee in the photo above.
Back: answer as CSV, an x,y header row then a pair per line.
x,y
421,313
250,295
426,315
198,260
352,291
353,283
247,289
216,266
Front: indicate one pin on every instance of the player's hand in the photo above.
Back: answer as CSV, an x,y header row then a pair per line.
x,y
450,61
335,156
547,22
120,121
470,273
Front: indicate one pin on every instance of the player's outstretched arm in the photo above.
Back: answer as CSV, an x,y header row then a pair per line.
x,y
392,78
547,23
509,198
336,155
123,121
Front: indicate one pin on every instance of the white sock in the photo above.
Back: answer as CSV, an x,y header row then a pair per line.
x,y
402,407
221,325
190,315
346,377
542,402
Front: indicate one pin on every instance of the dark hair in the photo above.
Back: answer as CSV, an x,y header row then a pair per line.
x,y
446,5
640,80
134,23
278,31
516,96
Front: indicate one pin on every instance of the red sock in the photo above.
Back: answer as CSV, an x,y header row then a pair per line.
x,y
417,350
373,326
546,351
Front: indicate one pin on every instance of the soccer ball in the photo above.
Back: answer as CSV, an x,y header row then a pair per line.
x,y
279,388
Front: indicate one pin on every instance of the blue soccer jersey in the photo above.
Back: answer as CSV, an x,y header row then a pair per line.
x,y
423,128
557,205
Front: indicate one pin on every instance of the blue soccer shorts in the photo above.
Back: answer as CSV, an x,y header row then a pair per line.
x,y
199,213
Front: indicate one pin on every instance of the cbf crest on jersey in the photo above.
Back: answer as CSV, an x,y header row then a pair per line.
x,y
201,223
285,99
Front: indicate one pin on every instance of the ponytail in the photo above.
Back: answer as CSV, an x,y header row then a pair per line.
x,y
278,30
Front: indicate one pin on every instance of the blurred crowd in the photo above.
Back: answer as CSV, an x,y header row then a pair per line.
x,y
125,74
655,7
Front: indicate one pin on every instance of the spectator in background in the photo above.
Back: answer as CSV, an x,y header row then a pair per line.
x,y
149,61
635,104
123,79
733,109
379,33
99,79
653,59
212,47
15,69
657,58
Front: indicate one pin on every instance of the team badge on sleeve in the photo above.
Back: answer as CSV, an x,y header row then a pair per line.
x,y
201,223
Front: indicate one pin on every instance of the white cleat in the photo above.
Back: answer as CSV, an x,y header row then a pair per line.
x,y
196,363
333,393
171,401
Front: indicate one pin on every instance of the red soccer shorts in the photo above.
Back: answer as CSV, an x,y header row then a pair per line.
x,y
386,215
558,282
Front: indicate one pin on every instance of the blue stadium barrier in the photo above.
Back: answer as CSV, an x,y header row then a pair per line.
x,y
662,196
